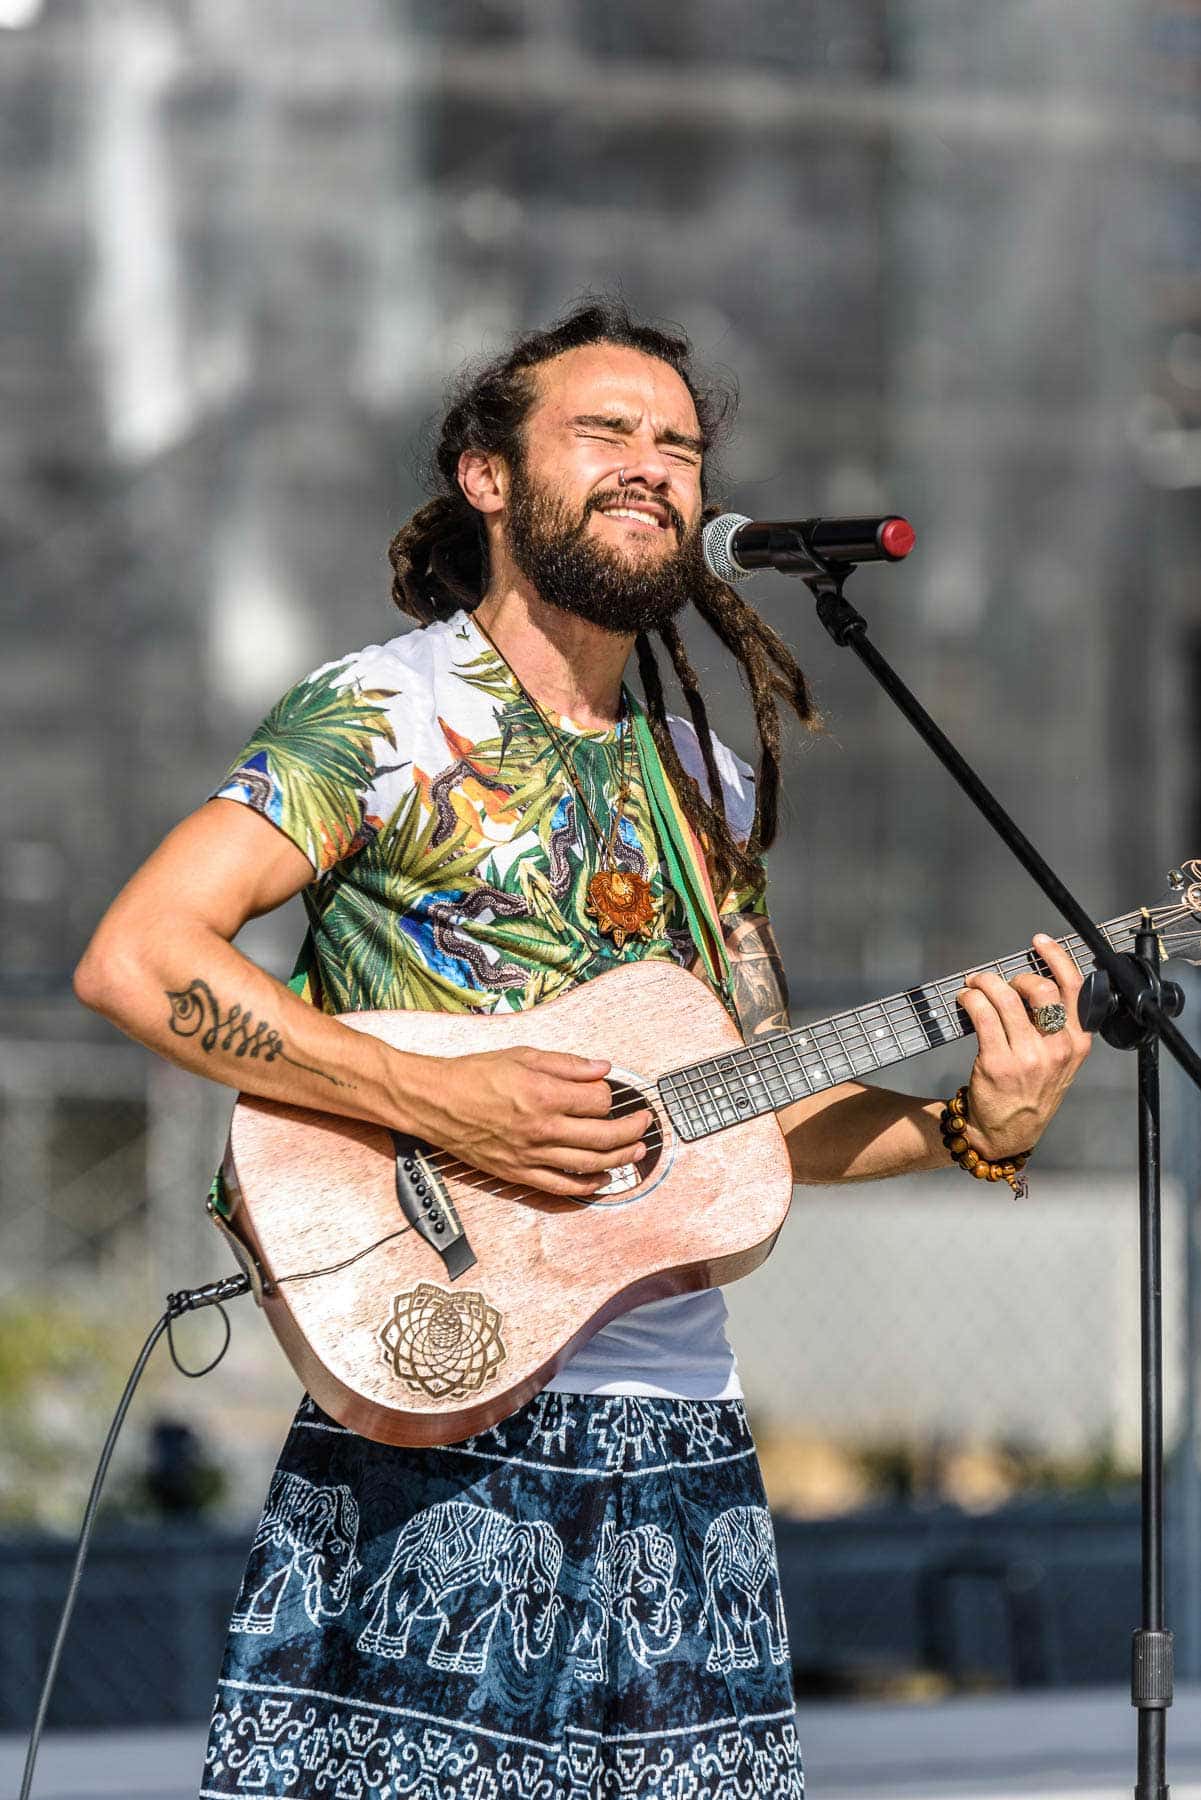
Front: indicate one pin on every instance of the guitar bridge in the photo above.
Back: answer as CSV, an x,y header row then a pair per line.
x,y
428,1207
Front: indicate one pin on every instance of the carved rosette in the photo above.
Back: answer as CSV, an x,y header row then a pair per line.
x,y
442,1344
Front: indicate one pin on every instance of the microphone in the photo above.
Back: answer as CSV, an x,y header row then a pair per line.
x,y
734,546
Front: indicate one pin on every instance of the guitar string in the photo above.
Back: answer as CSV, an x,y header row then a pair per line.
x,y
510,1190
910,1039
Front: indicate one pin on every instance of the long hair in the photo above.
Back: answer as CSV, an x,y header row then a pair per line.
x,y
440,563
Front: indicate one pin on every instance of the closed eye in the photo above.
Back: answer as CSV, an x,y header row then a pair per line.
x,y
684,457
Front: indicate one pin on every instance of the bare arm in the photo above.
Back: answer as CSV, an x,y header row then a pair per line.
x,y
163,967
856,1133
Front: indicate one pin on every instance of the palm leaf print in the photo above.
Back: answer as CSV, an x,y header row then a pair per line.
x,y
487,674
370,963
317,749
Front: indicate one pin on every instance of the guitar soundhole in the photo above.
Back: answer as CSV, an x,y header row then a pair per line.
x,y
625,1182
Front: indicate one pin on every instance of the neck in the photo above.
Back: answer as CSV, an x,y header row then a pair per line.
x,y
569,666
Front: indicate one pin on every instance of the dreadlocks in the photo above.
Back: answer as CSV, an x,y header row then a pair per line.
x,y
440,563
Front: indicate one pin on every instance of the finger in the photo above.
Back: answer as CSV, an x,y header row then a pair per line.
x,y
1036,990
1015,1021
1064,971
606,1135
557,1181
566,1065
588,1162
1070,980
583,1100
990,1033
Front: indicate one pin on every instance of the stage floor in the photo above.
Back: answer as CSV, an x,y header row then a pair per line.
x,y
1059,1746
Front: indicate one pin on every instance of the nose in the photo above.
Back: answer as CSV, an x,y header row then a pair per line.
x,y
646,466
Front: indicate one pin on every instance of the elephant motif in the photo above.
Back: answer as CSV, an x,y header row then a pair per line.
x,y
634,1583
306,1530
464,1565
740,1569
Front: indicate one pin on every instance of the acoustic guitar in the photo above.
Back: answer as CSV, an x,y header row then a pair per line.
x,y
421,1300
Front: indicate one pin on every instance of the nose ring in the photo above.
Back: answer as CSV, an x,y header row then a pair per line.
x,y
621,478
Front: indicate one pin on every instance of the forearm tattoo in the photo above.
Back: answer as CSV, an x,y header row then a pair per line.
x,y
760,985
195,1009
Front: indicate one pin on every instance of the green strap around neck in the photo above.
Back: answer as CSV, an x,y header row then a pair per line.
x,y
681,853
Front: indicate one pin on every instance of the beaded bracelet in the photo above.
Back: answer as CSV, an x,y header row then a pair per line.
x,y
953,1124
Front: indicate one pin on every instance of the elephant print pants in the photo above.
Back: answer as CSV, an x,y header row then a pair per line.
x,y
580,1604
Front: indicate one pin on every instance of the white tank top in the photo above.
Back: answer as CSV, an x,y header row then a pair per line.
x,y
675,1348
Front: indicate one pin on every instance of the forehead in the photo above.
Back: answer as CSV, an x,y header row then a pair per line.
x,y
611,378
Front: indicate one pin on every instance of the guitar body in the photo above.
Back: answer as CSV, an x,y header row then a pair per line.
x,y
394,1343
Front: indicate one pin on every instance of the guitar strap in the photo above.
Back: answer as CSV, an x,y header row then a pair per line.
x,y
687,869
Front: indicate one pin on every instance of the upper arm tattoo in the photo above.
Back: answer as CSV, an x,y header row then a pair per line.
x,y
760,985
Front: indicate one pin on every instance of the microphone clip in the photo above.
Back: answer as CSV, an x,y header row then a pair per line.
x,y
841,620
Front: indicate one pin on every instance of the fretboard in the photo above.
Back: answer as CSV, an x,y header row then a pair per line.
x,y
772,1072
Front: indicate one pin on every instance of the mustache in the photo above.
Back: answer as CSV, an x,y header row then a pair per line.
x,y
629,496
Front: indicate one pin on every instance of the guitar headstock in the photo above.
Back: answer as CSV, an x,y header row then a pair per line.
x,y
1178,922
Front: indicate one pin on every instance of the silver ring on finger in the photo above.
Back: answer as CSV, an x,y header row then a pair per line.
x,y
1050,1019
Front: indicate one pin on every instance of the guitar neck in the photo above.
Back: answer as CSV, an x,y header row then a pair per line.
x,y
773,1072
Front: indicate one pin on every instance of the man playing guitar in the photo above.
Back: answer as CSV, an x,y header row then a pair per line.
x,y
590,1585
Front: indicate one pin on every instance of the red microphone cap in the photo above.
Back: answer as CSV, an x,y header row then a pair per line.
x,y
897,538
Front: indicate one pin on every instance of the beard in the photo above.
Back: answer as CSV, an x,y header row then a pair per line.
x,y
592,581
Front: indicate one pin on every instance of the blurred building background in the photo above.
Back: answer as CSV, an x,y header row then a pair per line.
x,y
953,255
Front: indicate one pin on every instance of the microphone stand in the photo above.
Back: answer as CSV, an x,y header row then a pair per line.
x,y
1132,1008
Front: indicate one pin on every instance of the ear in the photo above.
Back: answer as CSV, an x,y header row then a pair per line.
x,y
521,1552
625,1559
484,479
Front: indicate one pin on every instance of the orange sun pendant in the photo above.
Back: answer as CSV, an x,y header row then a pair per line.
x,y
620,902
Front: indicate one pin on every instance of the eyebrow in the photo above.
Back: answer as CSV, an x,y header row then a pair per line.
x,y
618,422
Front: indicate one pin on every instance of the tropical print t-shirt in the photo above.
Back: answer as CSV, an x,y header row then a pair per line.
x,y
451,863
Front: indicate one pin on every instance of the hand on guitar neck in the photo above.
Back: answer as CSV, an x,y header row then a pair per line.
x,y
848,1132
1020,1076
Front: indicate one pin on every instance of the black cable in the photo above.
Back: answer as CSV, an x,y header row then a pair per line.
x,y
212,1294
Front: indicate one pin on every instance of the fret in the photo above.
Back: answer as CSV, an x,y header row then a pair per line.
x,y
843,1051
954,1021
925,1018
857,1059
872,1033
690,1101
716,1105
768,1073
804,1046
783,1084
744,1100
759,1089
895,1033
719,1089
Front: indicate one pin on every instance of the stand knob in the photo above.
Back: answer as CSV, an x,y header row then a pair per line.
x,y
1124,1027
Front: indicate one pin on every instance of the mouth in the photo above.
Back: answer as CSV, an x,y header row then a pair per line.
x,y
643,515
